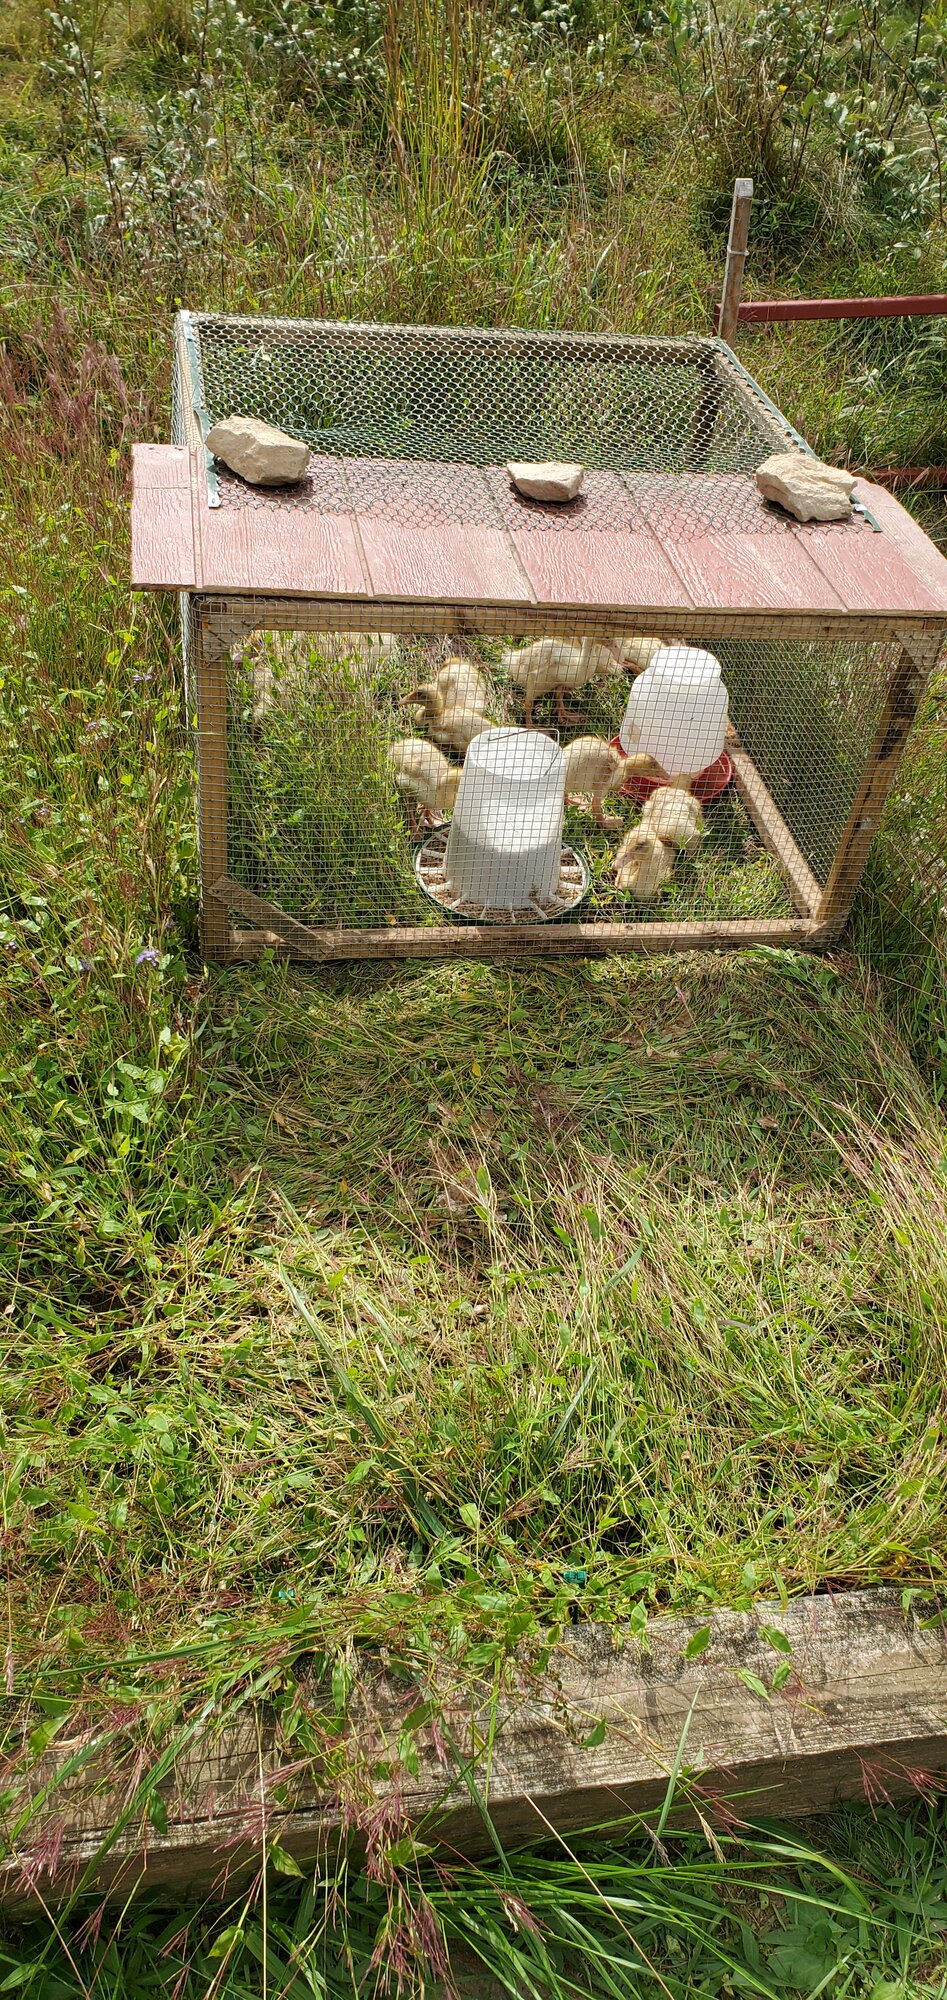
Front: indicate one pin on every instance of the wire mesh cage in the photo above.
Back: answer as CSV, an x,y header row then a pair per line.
x,y
433,715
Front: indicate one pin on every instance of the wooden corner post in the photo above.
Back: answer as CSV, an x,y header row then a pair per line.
x,y
213,659
736,259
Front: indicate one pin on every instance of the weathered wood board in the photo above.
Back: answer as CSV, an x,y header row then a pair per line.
x,y
862,1714
426,534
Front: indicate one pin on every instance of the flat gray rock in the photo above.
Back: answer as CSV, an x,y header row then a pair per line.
x,y
805,487
260,454
549,481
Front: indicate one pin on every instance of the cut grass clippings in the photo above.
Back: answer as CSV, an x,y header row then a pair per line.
x,y
713,1197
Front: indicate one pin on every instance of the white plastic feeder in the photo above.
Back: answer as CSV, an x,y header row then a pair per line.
x,y
677,710
505,844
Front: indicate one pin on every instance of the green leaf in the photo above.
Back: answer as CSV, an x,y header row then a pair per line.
x,y
697,1643
359,1472
283,1862
595,1736
226,1942
775,1638
418,1716
406,1850
158,1813
470,1515
753,1682
42,1735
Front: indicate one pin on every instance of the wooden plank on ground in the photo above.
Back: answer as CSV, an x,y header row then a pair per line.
x,y
861,1714
161,525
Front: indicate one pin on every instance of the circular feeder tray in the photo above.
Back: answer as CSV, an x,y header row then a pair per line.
x,y
571,893
707,785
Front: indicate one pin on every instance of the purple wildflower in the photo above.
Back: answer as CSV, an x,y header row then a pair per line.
x,y
137,679
148,957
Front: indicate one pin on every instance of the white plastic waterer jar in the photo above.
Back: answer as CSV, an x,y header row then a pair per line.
x,y
677,710
504,849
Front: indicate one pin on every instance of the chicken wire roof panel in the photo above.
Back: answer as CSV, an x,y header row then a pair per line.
x,y
469,398
480,397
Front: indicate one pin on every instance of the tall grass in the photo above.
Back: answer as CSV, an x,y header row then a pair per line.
x,y
634,1269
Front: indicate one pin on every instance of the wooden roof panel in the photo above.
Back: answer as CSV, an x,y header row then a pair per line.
x,y
297,550
750,572
917,549
162,532
440,534
432,532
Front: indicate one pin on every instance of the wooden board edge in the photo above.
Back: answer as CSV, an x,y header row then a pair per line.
x,y
923,557
904,695
863,1713
282,610
275,931
162,557
803,885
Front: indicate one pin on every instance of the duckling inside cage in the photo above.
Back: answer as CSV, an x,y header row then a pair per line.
x,y
347,752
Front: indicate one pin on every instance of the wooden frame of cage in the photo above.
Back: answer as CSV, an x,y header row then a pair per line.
x,y
890,586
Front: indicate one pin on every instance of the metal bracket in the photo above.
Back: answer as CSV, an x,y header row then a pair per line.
x,y
198,405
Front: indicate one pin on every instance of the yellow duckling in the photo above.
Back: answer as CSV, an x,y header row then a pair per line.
x,y
550,666
454,724
596,767
461,682
671,820
424,777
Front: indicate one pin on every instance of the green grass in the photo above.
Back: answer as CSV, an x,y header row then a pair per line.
x,y
691,1195
850,1908
634,1267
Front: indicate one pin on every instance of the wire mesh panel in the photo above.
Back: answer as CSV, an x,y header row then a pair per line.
x,y
385,398
396,780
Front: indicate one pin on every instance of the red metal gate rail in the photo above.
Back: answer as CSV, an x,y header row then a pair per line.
x,y
734,311
759,311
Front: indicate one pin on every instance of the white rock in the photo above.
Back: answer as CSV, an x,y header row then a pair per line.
x,y
259,453
805,487
551,481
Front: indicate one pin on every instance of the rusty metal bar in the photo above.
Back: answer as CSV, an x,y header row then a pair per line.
x,y
763,311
